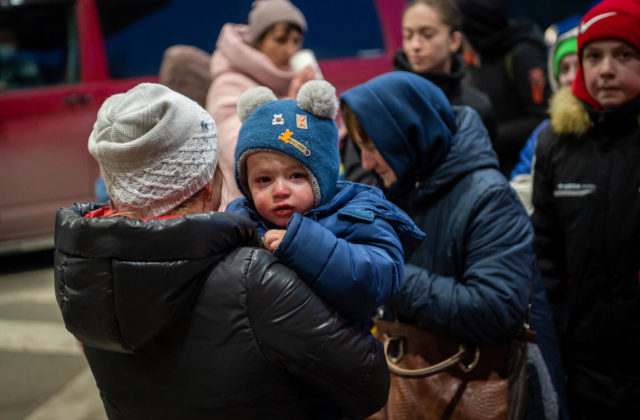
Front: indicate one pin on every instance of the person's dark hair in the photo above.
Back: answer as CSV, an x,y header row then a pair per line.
x,y
353,127
287,30
447,9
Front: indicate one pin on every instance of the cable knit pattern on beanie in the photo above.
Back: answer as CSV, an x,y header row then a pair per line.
x,y
156,148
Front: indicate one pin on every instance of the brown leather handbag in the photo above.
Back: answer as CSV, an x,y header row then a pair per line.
x,y
436,377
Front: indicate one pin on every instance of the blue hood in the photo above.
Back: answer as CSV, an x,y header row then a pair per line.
x,y
407,118
470,150
418,133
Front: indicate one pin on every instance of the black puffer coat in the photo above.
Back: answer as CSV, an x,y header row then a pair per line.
x,y
186,318
586,197
513,74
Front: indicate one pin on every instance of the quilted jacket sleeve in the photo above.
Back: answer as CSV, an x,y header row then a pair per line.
x,y
355,273
298,332
485,302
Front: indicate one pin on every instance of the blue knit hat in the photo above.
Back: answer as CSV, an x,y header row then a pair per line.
x,y
303,130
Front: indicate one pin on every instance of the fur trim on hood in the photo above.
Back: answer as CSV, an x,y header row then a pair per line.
x,y
568,114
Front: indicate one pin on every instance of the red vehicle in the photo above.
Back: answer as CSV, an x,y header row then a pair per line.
x,y
60,59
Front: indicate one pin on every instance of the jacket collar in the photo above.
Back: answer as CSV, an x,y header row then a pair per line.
x,y
120,282
571,116
471,139
190,236
448,82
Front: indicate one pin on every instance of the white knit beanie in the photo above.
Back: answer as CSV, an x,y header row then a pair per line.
x,y
156,148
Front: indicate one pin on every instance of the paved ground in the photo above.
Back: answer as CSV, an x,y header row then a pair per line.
x,y
43,375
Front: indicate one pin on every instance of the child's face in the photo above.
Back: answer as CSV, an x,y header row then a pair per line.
x,y
279,44
279,187
611,72
567,69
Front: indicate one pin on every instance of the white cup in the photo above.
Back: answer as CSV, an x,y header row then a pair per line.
x,y
304,58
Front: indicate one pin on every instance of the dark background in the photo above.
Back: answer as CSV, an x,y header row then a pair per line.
x,y
337,28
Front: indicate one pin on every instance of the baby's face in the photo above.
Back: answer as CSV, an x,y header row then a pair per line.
x,y
611,71
279,187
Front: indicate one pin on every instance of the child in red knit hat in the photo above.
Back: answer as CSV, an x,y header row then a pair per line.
x,y
609,25
586,201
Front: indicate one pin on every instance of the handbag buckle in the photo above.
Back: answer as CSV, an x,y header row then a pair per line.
x,y
395,349
468,367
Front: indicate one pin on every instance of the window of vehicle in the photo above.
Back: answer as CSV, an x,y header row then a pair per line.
x,y
38,44
340,29
138,32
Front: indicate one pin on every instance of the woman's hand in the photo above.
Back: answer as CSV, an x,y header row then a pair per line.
x,y
300,79
272,238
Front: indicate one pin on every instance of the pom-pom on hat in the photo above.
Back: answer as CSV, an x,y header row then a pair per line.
x,y
265,13
156,148
303,130
610,19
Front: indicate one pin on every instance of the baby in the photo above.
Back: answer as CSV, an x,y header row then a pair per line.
x,y
344,239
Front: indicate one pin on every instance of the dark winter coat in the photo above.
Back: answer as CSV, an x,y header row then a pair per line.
x,y
587,219
513,74
188,318
351,250
471,277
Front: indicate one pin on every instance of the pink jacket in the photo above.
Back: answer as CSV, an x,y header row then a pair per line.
x,y
235,67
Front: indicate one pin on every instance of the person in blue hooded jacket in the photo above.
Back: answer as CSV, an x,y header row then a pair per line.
x,y
346,240
472,277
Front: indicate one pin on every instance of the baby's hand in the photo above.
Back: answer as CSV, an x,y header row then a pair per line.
x,y
272,238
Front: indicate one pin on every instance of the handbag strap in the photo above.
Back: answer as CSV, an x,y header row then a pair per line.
x,y
527,334
455,359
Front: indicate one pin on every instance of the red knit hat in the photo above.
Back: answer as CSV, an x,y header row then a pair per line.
x,y
618,19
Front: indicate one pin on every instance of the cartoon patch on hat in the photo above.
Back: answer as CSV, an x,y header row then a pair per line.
x,y
304,130
277,119
286,137
301,121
